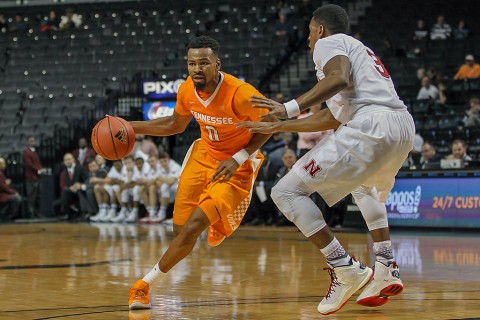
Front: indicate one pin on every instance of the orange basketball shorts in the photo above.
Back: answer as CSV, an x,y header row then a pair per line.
x,y
224,202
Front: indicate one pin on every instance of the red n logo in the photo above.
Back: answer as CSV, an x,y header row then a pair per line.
x,y
312,168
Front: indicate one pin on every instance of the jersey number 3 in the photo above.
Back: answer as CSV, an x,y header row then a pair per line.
x,y
379,65
212,133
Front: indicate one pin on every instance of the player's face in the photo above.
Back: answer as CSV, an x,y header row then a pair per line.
x,y
129,164
118,165
93,166
203,65
316,32
139,163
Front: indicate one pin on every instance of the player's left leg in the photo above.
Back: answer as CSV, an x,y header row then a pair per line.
x,y
180,247
386,280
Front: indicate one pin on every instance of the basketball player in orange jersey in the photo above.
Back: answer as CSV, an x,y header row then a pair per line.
x,y
219,169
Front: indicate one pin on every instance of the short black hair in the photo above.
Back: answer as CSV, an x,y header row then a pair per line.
x,y
332,17
204,42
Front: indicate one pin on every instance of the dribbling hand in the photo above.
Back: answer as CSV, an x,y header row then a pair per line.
x,y
225,169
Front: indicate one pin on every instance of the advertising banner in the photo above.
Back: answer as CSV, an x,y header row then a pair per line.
x,y
435,202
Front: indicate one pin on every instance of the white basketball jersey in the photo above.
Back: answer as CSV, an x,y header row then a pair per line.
x,y
370,82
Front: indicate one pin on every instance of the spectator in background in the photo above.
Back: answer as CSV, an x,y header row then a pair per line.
x,y
421,73
88,201
102,163
83,153
19,25
71,180
430,159
442,93
303,13
284,29
3,24
421,32
70,20
307,140
289,158
461,32
10,200
459,151
276,155
434,76
33,168
143,148
262,210
52,23
428,90
469,70
414,157
472,119
441,30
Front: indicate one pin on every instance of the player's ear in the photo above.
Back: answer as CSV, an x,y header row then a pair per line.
x,y
218,64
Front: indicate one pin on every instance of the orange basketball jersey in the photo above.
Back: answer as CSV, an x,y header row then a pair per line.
x,y
218,112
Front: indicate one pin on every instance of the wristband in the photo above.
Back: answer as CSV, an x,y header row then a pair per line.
x,y
292,108
241,156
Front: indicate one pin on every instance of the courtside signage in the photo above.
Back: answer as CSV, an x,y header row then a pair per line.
x,y
157,109
435,202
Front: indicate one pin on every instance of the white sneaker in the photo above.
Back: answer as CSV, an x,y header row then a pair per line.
x,y
145,219
345,281
111,213
157,218
386,283
102,213
122,215
132,216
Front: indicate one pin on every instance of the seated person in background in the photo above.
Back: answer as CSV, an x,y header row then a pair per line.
x,y
70,20
289,158
459,151
106,192
142,166
413,160
96,176
307,140
128,191
430,159
421,32
102,163
472,119
276,155
428,90
149,189
10,200
167,183
71,180
262,210
440,30
469,70
461,32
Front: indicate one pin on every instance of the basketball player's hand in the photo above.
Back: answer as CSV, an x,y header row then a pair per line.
x,y
259,127
277,109
225,169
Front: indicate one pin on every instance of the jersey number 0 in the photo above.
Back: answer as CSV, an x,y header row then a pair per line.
x,y
212,133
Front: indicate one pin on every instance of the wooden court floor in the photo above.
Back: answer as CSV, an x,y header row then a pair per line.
x,y
83,271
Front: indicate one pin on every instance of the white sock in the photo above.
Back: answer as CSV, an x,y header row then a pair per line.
x,y
113,206
154,276
383,252
152,211
162,210
103,206
336,255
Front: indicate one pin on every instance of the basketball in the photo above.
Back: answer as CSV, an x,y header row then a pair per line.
x,y
113,138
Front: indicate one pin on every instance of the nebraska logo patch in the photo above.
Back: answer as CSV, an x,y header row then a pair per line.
x,y
121,136
312,168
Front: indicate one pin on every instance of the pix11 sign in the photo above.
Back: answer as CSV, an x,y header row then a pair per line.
x,y
160,89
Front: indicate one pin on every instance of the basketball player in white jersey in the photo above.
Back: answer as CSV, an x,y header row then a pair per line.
x,y
373,138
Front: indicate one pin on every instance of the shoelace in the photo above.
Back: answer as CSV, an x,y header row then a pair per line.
x,y
333,282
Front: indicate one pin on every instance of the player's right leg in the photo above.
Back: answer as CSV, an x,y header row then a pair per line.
x,y
180,247
386,280
101,196
347,274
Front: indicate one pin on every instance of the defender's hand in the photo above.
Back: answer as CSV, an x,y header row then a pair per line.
x,y
259,127
277,109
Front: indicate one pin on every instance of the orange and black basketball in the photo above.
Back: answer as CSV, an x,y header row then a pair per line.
x,y
113,138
